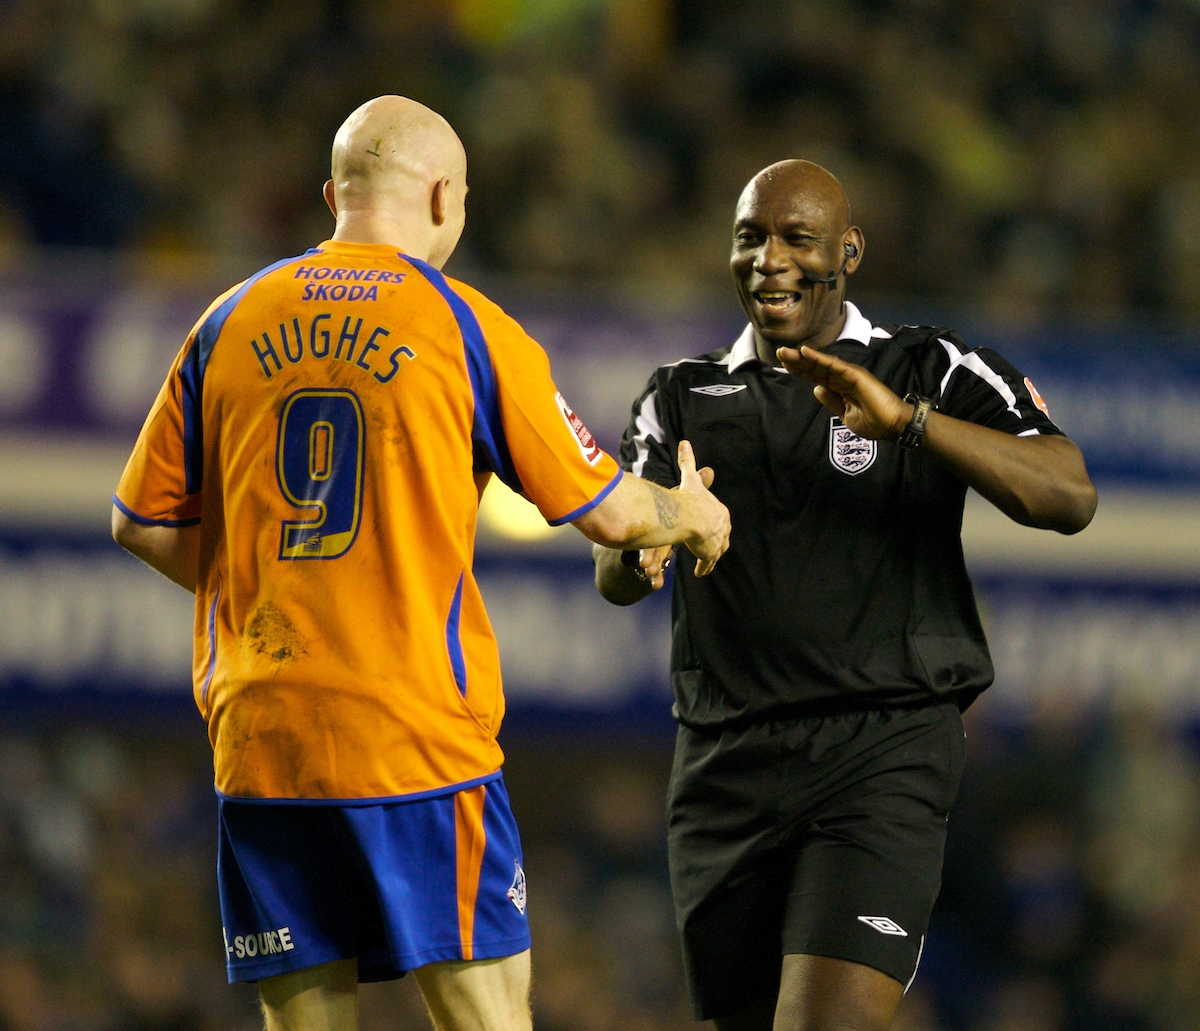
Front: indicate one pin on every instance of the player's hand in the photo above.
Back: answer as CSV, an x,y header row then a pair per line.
x,y
654,563
711,539
864,404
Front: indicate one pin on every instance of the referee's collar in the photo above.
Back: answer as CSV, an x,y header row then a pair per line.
x,y
744,350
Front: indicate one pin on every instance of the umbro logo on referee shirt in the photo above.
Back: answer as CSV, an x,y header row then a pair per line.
x,y
884,925
719,389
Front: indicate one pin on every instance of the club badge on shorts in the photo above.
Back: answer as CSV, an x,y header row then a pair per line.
x,y
848,451
516,893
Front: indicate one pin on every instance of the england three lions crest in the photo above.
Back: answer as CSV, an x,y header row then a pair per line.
x,y
848,451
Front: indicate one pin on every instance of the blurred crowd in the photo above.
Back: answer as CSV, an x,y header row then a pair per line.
x,y
1025,156
1071,898
1071,894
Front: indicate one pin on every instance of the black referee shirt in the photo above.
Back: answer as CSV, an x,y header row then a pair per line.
x,y
844,585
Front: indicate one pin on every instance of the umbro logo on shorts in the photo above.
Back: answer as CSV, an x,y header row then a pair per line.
x,y
719,389
884,925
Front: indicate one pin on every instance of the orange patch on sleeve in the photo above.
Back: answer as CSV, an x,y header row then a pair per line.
x,y
1037,398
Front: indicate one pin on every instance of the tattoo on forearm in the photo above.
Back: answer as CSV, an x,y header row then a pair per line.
x,y
666,505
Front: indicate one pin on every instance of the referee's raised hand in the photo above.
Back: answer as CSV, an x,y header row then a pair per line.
x,y
863,403
712,541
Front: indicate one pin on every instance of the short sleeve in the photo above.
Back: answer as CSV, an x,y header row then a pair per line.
x,y
647,449
153,488
981,387
556,460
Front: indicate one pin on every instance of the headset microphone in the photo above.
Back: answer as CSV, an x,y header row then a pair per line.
x,y
850,250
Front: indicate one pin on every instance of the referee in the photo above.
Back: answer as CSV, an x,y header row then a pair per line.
x,y
820,672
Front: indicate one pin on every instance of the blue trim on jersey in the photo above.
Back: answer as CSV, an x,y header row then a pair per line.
x,y
488,428
415,796
191,373
144,521
585,509
453,644
212,646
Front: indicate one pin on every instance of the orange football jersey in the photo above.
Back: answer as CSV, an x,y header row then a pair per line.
x,y
324,423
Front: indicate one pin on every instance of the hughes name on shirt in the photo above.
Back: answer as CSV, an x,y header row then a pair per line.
x,y
322,340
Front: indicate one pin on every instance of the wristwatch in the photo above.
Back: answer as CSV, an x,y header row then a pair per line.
x,y
915,430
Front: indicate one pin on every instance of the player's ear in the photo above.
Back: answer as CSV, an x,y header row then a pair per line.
x,y
439,206
330,197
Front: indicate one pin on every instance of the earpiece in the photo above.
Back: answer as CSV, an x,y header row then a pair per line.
x,y
851,250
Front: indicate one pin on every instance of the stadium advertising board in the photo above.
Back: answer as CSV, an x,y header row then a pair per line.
x,y
80,618
83,357
88,357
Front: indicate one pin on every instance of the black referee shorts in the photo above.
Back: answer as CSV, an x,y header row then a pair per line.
x,y
819,835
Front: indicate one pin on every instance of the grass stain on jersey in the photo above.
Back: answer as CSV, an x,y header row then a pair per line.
x,y
271,633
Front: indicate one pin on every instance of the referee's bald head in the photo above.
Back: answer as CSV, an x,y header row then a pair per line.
x,y
793,246
805,181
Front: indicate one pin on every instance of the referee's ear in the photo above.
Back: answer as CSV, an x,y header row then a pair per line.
x,y
853,245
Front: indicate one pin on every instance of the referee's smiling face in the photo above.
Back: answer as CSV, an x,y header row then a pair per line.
x,y
793,218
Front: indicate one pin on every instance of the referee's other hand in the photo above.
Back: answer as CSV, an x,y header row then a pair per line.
x,y
867,406
712,539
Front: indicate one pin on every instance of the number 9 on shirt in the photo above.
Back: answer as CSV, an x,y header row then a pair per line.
x,y
319,461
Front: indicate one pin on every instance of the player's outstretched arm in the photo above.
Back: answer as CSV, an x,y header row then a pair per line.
x,y
173,550
622,584
1037,481
639,515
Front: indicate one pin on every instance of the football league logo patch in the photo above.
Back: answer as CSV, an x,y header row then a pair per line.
x,y
516,892
848,451
719,389
583,437
1037,398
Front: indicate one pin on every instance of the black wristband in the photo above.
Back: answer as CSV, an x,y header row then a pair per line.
x,y
915,430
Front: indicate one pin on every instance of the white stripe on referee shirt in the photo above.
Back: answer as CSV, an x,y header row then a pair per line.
x,y
977,365
648,428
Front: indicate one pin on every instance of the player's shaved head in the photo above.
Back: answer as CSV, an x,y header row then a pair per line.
x,y
800,185
393,145
398,174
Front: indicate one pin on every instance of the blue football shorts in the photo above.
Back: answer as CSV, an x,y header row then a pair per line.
x,y
398,884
